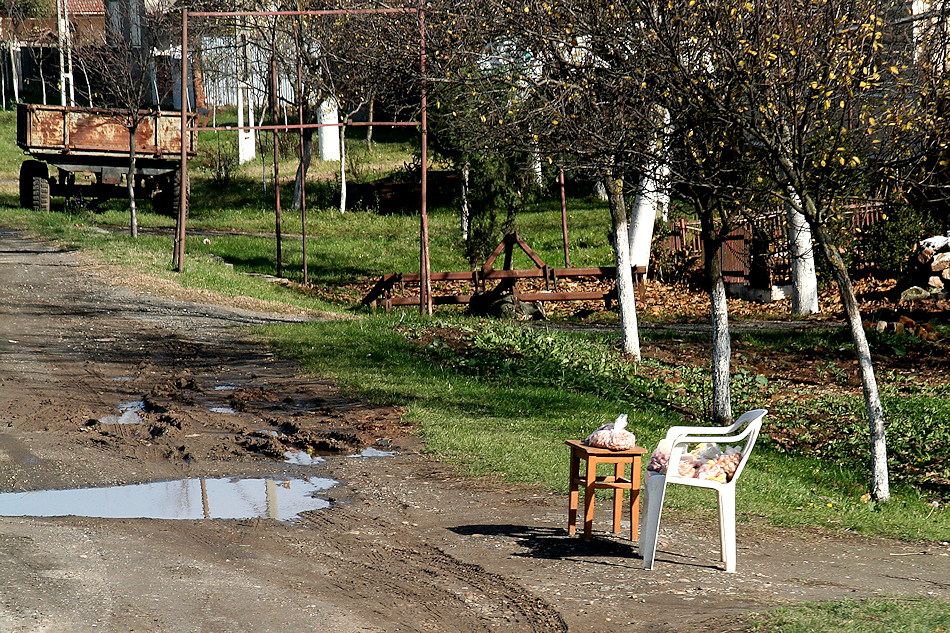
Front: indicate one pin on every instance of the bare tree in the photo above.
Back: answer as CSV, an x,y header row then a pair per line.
x,y
352,60
124,63
14,14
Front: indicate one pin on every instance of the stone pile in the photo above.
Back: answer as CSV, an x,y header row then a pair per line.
x,y
930,265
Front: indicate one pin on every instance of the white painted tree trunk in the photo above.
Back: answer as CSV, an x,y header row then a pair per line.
x,y
801,254
130,186
653,198
15,79
466,218
722,346
247,149
880,487
537,173
328,138
342,133
629,334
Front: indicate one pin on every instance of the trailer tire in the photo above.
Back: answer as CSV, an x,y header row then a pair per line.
x,y
166,200
34,185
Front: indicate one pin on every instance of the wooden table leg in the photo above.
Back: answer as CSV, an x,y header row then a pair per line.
x,y
572,505
589,498
618,496
635,499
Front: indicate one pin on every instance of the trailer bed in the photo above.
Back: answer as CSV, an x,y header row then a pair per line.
x,y
48,130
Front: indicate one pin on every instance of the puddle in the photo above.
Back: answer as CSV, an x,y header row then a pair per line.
x,y
122,378
222,410
301,458
226,388
374,452
224,498
129,413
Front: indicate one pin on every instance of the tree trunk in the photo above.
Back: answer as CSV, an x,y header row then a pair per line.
x,y
15,79
342,170
369,128
652,198
303,168
802,256
466,218
130,184
629,335
719,320
880,489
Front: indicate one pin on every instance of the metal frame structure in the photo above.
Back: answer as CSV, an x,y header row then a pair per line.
x,y
425,298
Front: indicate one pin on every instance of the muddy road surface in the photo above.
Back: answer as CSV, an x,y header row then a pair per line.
x,y
107,384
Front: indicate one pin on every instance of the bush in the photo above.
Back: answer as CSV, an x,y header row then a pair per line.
x,y
889,244
218,160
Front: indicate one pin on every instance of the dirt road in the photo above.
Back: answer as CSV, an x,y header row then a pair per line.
x,y
101,386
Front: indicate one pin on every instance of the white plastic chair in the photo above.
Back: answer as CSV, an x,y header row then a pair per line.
x,y
745,429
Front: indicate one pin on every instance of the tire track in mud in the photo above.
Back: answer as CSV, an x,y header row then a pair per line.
x,y
430,585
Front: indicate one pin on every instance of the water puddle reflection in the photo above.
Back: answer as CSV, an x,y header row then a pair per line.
x,y
373,452
222,410
223,498
301,458
129,413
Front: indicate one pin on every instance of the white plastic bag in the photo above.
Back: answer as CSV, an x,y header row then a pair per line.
x,y
613,436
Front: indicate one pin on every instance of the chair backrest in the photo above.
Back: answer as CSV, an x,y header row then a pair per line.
x,y
745,429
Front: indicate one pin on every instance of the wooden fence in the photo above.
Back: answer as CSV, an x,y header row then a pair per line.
x,y
756,253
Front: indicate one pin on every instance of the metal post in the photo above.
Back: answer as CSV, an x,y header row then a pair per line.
x,y
179,253
567,254
303,166
274,113
425,282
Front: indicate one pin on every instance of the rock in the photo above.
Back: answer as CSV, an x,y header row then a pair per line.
x,y
935,243
881,326
915,293
935,281
940,261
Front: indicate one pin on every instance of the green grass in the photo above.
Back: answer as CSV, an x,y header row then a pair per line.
x,y
907,615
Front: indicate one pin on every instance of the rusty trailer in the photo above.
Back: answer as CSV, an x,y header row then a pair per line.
x,y
89,149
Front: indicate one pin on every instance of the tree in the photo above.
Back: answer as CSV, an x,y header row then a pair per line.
x,y
124,60
829,96
353,61
559,80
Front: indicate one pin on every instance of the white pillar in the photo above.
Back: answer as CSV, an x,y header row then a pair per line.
x,y
328,138
247,149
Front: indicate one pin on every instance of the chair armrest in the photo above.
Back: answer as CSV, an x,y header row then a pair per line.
x,y
698,439
676,431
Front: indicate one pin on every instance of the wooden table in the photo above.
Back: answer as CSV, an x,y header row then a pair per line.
x,y
618,482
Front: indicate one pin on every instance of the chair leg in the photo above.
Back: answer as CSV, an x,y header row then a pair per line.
x,y
727,526
654,491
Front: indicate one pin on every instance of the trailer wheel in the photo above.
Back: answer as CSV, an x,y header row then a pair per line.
x,y
34,185
168,196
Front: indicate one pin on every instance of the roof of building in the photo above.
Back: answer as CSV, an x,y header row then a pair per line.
x,y
86,7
